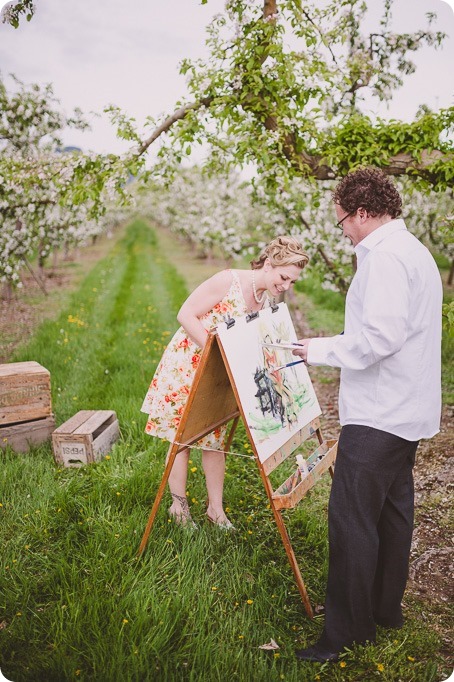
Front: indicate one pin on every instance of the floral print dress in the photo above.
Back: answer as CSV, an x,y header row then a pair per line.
x,y
167,396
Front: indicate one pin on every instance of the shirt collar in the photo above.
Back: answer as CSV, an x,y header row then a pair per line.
x,y
377,236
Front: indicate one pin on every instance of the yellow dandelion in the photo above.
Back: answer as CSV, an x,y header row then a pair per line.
x,y
410,658
250,601
214,589
107,457
193,469
240,636
125,620
380,667
342,664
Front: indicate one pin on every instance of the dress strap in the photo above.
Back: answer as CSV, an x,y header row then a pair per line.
x,y
236,283
235,277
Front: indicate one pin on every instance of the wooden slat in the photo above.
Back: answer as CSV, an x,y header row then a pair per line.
x,y
19,368
24,392
308,431
97,419
21,437
103,443
212,427
70,453
74,422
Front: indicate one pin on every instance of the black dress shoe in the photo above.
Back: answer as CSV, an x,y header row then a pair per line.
x,y
316,654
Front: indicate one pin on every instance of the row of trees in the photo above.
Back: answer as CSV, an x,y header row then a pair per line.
x,y
282,89
221,214
49,198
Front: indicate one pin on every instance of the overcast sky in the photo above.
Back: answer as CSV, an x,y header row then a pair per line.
x,y
98,52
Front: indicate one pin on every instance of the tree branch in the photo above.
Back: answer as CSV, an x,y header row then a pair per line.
x,y
342,284
177,115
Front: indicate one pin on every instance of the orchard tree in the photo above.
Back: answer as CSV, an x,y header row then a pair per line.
x,y
282,91
220,214
48,198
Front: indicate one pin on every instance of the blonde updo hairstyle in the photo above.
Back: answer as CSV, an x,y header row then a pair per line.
x,y
282,251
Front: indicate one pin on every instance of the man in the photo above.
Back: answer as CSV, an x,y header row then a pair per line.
x,y
389,398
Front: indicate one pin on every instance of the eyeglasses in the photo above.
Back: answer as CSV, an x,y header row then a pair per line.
x,y
339,224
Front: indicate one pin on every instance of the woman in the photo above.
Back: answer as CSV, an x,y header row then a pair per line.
x,y
232,292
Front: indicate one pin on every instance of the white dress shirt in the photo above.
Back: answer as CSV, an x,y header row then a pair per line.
x,y
390,351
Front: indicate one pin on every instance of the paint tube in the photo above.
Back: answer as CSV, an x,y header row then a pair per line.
x,y
302,465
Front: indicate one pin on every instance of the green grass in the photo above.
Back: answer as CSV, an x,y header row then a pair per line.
x,y
75,601
323,308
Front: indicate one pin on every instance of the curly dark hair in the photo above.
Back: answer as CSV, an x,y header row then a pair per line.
x,y
371,189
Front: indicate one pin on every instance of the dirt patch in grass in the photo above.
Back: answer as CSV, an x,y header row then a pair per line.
x,y
29,306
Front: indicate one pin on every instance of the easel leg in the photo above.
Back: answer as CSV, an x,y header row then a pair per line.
x,y
172,453
293,562
228,442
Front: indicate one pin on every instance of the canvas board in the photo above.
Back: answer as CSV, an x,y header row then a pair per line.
x,y
276,404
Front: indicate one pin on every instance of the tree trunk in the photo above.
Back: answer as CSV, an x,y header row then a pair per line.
x,y
7,292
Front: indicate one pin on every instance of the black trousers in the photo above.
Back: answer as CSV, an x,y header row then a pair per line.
x,y
370,520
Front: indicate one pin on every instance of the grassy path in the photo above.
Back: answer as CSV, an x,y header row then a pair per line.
x,y
76,603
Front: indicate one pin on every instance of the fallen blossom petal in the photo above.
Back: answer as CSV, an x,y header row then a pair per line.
x,y
271,646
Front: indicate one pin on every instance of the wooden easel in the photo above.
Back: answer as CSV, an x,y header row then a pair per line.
x,y
212,402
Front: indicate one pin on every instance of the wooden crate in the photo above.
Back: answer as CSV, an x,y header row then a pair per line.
x,y
20,437
24,393
84,438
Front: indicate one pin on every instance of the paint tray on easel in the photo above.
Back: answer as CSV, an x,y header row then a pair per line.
x,y
295,487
